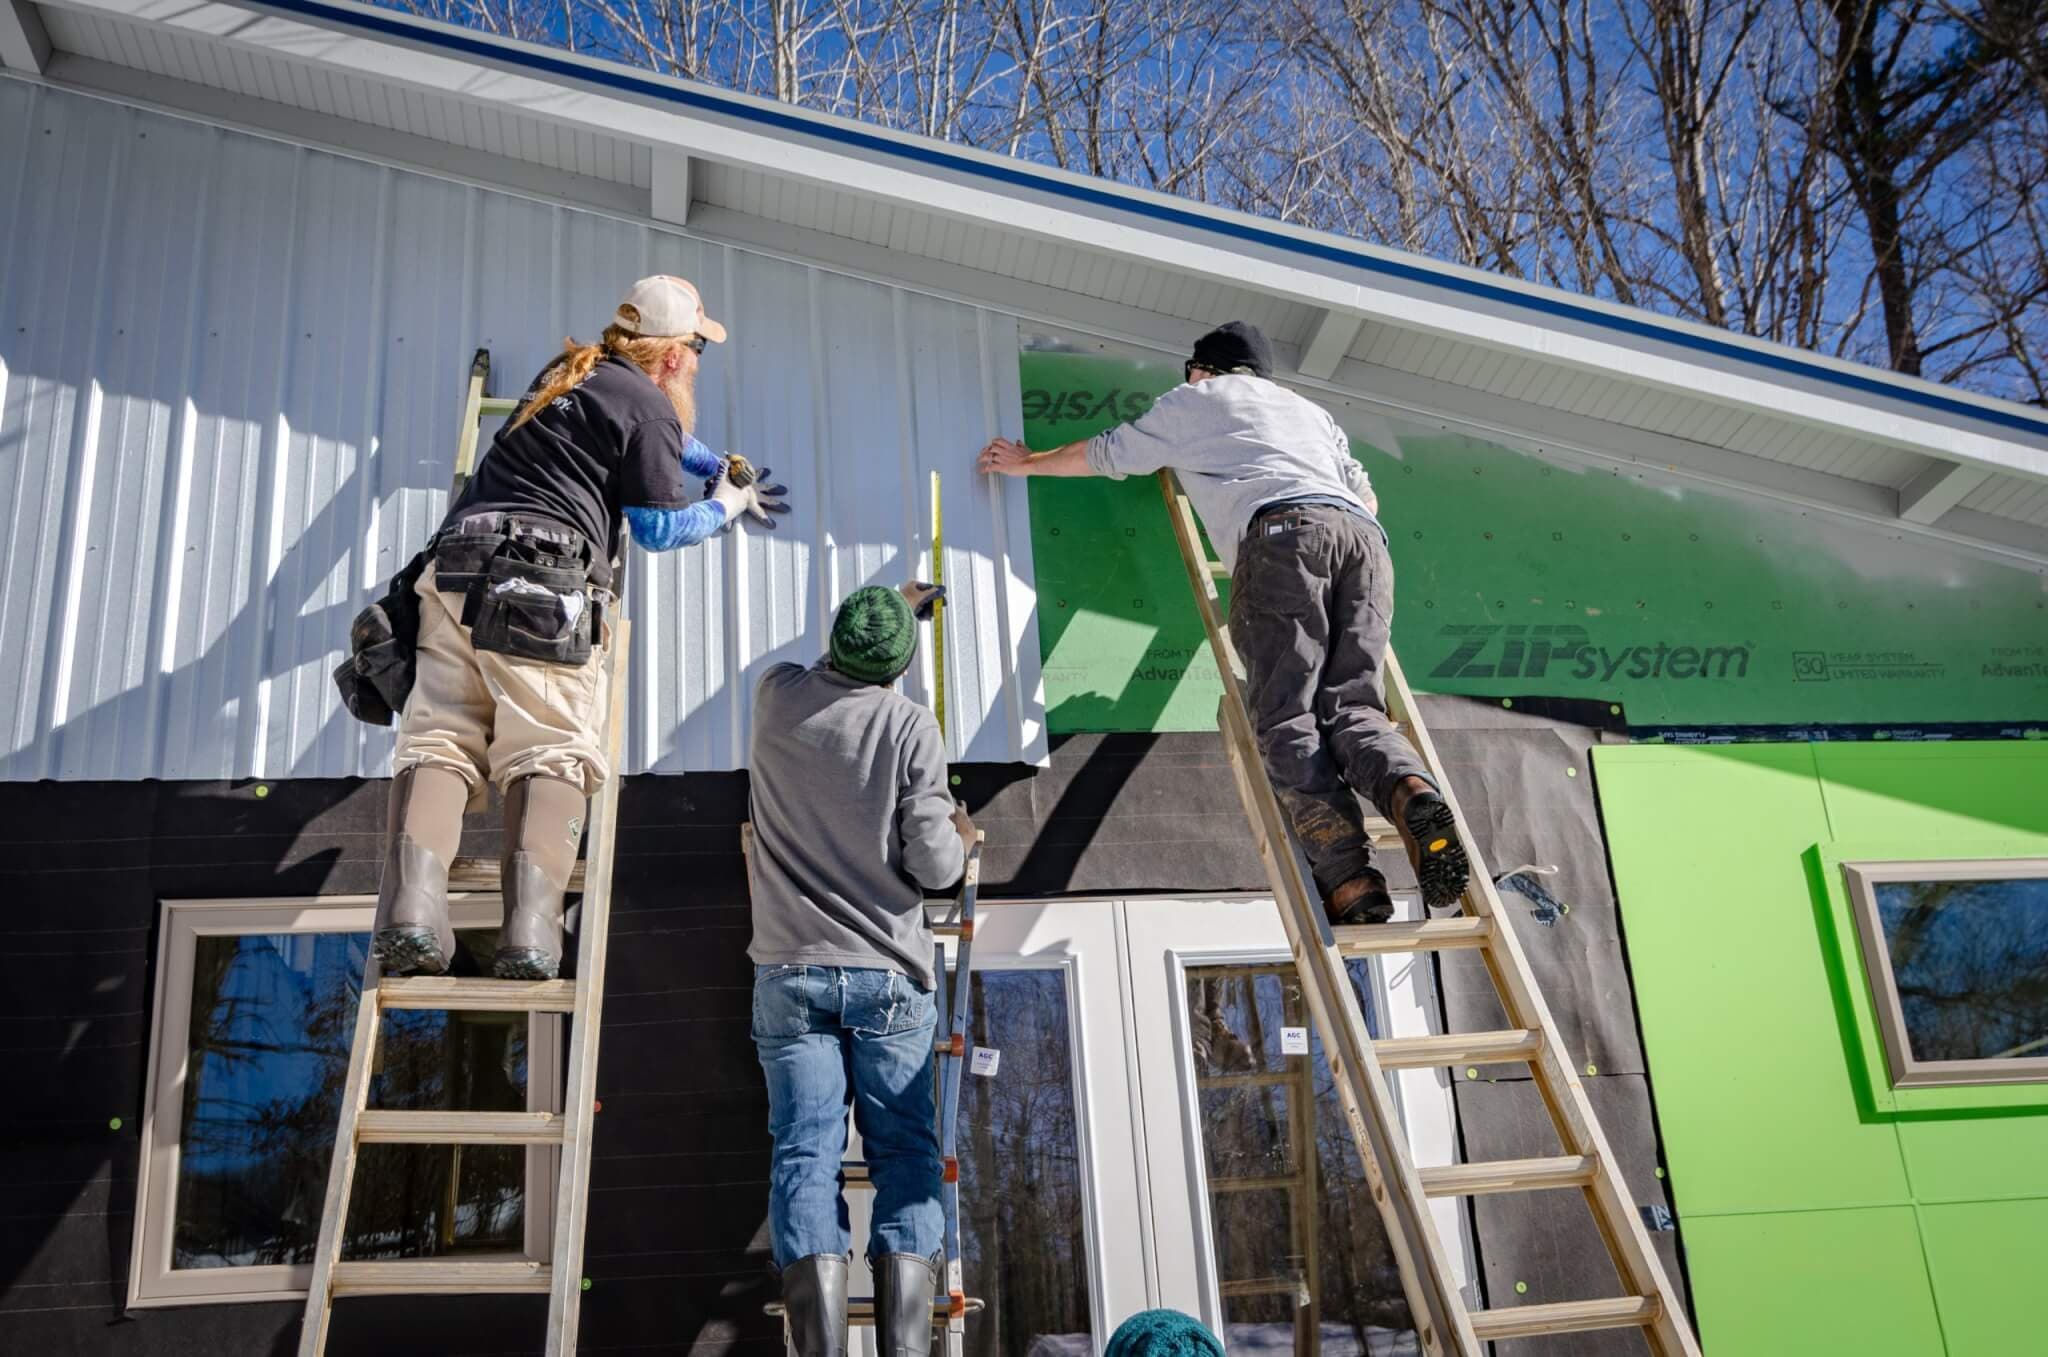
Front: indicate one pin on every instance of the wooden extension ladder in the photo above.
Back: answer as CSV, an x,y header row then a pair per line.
x,y
561,1274
1443,1322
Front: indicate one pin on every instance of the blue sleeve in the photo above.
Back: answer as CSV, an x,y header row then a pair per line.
x,y
699,460
667,529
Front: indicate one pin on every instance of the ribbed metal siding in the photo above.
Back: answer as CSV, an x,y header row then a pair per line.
x,y
230,382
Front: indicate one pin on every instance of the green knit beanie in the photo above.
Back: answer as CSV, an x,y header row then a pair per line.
x,y
873,635
1162,1333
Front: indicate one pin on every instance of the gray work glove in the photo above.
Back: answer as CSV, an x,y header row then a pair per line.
x,y
754,497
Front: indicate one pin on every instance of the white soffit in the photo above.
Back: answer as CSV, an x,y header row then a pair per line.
x,y
1082,252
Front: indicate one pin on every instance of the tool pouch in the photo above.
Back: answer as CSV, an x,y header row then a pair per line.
x,y
536,612
383,643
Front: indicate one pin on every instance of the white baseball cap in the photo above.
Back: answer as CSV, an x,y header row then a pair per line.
x,y
665,307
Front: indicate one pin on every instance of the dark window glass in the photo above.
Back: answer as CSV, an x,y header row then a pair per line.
x,y
272,1018
1023,1224
1970,959
1302,1258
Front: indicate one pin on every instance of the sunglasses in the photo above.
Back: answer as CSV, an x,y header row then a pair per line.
x,y
695,343
1190,368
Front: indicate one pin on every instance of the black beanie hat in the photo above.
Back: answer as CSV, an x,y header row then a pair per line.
x,y
1236,345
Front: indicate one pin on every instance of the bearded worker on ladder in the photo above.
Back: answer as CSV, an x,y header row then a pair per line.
x,y
1311,605
512,595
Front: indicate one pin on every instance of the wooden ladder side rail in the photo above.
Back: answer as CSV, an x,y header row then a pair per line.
x,y
341,1168
1613,1207
1442,1323
579,1094
472,411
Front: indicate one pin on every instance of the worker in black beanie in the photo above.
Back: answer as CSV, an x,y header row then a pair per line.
x,y
1311,605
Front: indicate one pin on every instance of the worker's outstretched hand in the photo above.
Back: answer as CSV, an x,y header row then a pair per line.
x,y
756,497
921,596
1004,456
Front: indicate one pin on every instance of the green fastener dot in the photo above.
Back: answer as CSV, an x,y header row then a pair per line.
x,y
1471,1073
1592,1068
1521,1288
1507,702
1660,1172
586,1283
956,779
1563,908
1614,709
113,1123
1571,772
261,791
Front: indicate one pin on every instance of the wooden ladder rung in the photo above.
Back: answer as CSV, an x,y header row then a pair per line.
x,y
1508,1175
475,874
1430,935
477,994
379,1127
1457,1048
438,1276
1571,1316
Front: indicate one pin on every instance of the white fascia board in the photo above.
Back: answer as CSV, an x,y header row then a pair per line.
x,y
317,131
24,42
1011,195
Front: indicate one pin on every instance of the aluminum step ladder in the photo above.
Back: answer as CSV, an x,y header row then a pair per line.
x,y
560,1275
1443,1323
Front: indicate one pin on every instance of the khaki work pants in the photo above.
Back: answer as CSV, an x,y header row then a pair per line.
x,y
498,717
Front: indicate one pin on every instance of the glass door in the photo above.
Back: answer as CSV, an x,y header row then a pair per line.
x,y
1264,1223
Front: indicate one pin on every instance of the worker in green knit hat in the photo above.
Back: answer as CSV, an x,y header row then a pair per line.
x,y
853,826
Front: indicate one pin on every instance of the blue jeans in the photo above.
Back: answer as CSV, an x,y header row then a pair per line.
x,y
829,1036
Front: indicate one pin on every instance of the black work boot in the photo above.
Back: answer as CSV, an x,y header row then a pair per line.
x,y
543,822
814,1305
1430,834
904,1287
412,932
1361,900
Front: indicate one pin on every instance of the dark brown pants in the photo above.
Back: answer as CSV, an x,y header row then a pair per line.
x,y
1311,611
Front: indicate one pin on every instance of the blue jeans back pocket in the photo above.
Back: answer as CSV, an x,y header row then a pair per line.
x,y
782,1003
883,1003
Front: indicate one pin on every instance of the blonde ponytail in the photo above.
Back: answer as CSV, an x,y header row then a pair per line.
x,y
577,361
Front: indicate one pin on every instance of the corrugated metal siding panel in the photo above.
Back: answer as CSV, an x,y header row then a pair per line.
x,y
261,75
231,417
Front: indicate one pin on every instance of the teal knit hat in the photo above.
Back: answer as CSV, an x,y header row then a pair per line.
x,y
873,635
1162,1333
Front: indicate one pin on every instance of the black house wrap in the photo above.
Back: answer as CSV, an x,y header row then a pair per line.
x,y
677,1247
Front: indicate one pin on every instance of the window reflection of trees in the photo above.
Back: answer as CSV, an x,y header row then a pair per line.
x,y
1971,962
1326,1283
271,1022
1023,1241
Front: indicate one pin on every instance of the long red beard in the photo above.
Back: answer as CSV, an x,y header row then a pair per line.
x,y
682,393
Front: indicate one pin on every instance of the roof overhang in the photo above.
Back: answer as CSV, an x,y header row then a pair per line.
x,y
1483,352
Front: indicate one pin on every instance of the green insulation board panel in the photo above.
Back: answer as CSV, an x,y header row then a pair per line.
x,y
1526,572
1817,1213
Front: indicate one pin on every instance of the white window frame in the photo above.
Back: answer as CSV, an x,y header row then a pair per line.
x,y
152,1281
1908,1070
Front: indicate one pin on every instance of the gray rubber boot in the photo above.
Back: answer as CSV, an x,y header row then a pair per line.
x,y
412,932
814,1304
543,824
904,1287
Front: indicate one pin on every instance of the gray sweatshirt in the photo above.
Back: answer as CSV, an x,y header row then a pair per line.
x,y
1238,442
852,823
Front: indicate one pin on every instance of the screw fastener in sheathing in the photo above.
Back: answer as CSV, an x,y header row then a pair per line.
x,y
113,1123
261,791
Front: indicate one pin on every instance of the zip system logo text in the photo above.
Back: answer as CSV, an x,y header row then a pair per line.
x,y
1503,650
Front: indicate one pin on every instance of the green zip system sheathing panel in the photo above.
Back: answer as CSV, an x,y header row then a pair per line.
x,y
1815,1222
1527,573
